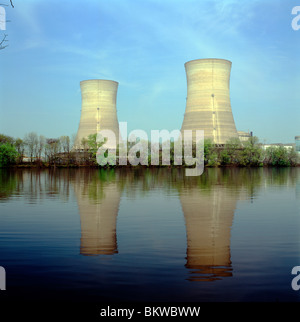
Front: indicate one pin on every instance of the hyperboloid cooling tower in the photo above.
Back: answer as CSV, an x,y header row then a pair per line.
x,y
98,108
208,105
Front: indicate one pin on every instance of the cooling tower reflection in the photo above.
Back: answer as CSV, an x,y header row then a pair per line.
x,y
208,218
98,202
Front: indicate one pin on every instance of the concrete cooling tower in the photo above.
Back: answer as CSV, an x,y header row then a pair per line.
x,y
98,108
208,105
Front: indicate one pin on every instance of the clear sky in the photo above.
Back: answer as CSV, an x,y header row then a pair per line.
x,y
143,44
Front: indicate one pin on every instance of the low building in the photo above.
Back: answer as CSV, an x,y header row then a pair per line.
x,y
244,136
287,146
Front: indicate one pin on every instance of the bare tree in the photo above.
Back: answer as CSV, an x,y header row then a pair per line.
x,y
11,3
65,143
65,147
85,149
52,149
40,146
31,141
2,42
73,142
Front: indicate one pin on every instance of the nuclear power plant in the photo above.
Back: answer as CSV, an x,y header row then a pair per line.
x,y
208,105
98,108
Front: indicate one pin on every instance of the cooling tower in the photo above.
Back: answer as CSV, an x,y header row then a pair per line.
x,y
208,105
98,108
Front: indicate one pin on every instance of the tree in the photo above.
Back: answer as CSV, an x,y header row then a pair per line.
x,y
31,141
73,142
93,144
85,148
4,40
293,157
251,154
8,154
40,146
211,157
20,147
230,153
279,156
65,144
51,149
6,139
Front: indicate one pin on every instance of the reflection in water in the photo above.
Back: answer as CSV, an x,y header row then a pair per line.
x,y
298,188
208,218
208,204
98,200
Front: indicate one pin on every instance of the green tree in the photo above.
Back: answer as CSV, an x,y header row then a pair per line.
x,y
93,146
8,154
6,139
211,157
293,157
230,153
252,154
278,156
20,147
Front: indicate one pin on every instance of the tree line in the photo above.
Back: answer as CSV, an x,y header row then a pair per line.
x,y
33,149
249,153
38,150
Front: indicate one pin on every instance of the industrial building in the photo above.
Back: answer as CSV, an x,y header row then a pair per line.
x,y
244,136
208,104
98,109
287,146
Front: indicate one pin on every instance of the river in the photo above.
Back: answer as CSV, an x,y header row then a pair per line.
x,y
141,234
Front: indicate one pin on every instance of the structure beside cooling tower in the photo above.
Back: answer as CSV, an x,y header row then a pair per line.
x,y
208,105
98,109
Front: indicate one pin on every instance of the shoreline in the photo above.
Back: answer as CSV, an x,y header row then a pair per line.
x,y
77,166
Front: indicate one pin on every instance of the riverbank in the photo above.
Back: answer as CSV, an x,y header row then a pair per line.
x,y
96,166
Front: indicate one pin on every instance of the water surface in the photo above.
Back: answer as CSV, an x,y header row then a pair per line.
x,y
229,235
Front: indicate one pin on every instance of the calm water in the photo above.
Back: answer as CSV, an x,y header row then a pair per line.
x,y
150,235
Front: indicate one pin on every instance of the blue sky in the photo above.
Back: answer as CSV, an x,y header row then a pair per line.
x,y
143,44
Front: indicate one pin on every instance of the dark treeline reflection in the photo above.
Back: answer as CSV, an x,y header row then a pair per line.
x,y
35,184
208,203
